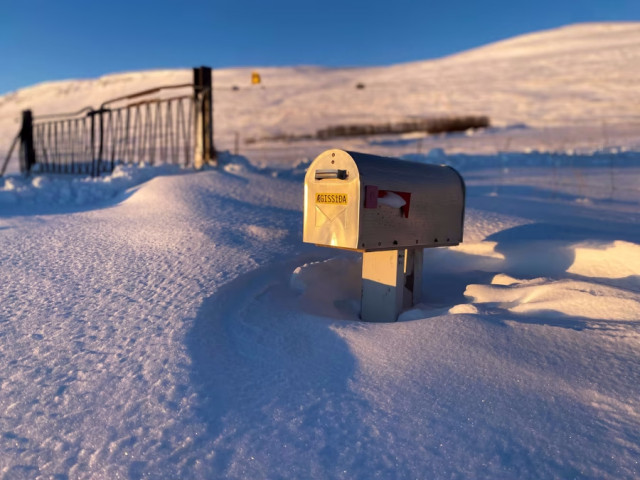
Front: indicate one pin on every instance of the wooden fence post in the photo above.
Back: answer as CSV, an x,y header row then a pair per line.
x,y
204,152
27,152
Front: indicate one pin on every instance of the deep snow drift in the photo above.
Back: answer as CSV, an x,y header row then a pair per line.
x,y
163,323
180,329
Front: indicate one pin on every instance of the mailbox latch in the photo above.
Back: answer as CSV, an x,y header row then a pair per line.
x,y
324,174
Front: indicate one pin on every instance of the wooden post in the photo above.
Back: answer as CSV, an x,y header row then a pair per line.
x,y
205,152
391,282
382,285
27,152
412,276
94,160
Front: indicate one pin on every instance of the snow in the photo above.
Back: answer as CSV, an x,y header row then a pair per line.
x,y
165,323
52,194
393,200
575,86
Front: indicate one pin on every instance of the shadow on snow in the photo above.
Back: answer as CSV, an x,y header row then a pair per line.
x,y
274,383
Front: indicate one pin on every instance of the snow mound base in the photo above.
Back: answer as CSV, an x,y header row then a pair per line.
x,y
60,191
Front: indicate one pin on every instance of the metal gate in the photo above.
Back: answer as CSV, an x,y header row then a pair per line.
x,y
168,124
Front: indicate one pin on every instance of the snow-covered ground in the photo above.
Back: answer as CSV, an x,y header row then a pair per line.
x,y
163,323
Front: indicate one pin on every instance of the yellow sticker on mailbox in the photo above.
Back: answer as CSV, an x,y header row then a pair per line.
x,y
332,198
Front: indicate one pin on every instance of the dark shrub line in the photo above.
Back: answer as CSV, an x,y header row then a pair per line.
x,y
427,125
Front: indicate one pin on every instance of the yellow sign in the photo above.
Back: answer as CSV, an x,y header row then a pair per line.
x,y
255,78
332,198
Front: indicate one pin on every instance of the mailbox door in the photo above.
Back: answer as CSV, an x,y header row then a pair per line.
x,y
332,201
408,204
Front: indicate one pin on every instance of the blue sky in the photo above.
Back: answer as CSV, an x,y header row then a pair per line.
x,y
53,40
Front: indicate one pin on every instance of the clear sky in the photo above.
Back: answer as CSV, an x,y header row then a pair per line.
x,y
58,39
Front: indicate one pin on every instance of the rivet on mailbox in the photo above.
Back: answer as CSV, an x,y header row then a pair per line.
x,y
388,209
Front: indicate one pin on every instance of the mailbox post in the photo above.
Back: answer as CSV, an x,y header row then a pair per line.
x,y
388,209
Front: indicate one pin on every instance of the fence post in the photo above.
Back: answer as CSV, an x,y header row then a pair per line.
x,y
204,152
92,139
100,140
27,152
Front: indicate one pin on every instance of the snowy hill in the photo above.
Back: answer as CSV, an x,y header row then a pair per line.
x,y
582,76
165,323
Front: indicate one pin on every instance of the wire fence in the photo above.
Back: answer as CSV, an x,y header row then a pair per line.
x,y
598,174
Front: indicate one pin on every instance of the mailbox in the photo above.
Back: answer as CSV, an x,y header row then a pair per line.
x,y
390,210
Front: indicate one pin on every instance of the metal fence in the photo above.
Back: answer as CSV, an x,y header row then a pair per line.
x,y
136,128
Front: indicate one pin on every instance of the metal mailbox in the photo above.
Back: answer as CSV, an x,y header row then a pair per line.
x,y
365,202
375,205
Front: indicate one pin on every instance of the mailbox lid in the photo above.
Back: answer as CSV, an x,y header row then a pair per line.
x,y
332,200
